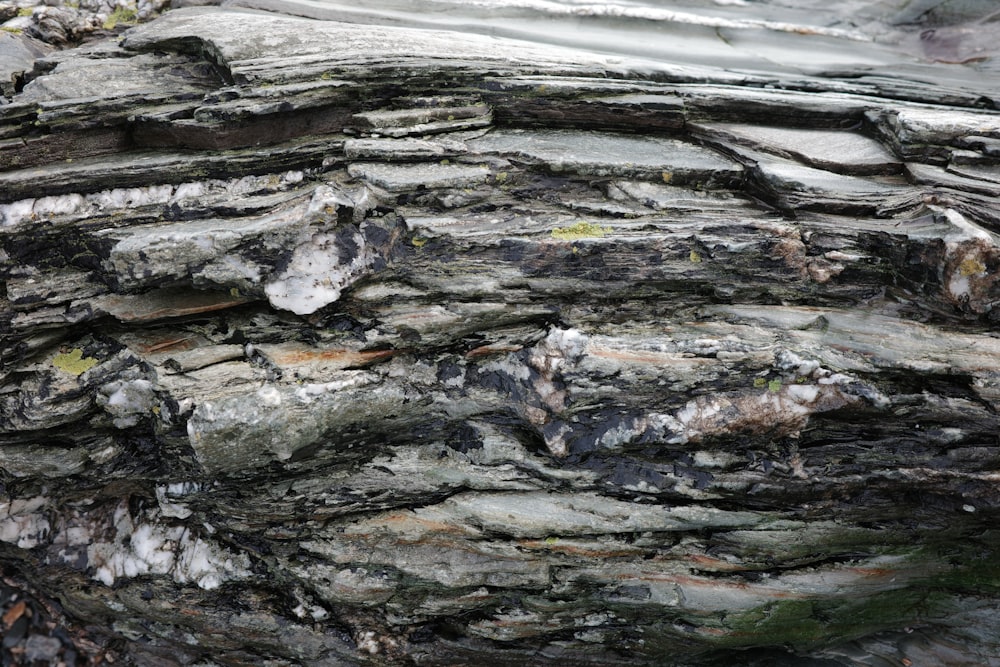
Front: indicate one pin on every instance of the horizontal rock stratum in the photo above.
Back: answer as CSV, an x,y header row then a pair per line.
x,y
423,334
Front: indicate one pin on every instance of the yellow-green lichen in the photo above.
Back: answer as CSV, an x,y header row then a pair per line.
x,y
13,31
73,362
418,242
971,267
774,386
760,383
581,230
26,11
695,257
121,15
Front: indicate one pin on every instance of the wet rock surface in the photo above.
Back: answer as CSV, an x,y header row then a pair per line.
x,y
382,336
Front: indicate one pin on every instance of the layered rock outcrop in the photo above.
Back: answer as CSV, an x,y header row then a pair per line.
x,y
397,337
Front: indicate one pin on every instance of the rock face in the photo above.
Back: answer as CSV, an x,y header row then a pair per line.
x,y
414,336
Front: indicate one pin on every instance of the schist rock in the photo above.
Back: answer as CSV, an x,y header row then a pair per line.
x,y
503,333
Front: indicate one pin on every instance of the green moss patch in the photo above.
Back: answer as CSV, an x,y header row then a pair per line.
x,y
123,16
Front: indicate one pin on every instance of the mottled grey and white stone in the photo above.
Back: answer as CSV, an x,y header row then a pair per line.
x,y
505,333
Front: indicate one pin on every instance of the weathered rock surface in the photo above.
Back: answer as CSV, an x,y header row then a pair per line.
x,y
396,336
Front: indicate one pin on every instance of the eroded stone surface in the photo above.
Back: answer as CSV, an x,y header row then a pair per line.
x,y
336,341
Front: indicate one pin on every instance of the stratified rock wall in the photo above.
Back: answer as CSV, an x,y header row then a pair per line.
x,y
395,336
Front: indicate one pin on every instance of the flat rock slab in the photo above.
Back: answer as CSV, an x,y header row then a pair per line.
x,y
598,154
842,152
410,177
810,188
260,45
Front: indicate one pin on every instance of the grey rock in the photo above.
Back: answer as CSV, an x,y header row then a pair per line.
x,y
401,178
41,648
597,154
383,335
57,25
18,53
837,151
